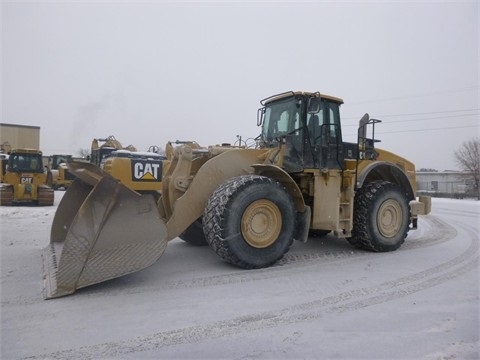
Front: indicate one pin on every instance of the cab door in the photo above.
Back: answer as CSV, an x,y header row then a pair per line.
x,y
325,136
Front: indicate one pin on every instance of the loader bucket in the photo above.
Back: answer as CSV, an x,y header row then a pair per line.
x,y
101,230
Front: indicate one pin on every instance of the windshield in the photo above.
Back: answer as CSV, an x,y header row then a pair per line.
x,y
281,118
59,159
25,163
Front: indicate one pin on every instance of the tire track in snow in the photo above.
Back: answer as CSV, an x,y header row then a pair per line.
x,y
438,232
352,300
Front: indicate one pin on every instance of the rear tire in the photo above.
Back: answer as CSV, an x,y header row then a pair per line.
x,y
6,195
194,234
249,221
381,217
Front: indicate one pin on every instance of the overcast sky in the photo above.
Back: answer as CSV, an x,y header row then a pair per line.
x,y
157,71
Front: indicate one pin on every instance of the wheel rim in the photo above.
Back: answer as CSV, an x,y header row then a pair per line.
x,y
261,223
389,218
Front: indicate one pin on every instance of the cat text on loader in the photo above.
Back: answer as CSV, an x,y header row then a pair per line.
x,y
139,171
248,204
23,180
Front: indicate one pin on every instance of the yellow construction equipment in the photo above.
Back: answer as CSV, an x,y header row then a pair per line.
x,y
23,179
58,175
248,204
139,171
103,147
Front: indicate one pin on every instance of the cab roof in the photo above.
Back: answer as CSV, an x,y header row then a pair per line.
x,y
25,151
300,93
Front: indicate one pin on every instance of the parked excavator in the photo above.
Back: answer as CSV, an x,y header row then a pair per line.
x,y
58,175
247,204
103,147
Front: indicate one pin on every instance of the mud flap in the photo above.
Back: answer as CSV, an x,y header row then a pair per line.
x,y
100,232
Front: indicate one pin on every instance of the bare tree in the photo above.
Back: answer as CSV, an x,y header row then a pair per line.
x,y
468,158
83,153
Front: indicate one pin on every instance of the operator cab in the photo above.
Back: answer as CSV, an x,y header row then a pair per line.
x,y
25,162
308,125
56,160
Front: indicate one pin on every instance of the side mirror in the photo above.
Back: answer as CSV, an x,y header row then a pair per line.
x,y
314,105
362,127
260,113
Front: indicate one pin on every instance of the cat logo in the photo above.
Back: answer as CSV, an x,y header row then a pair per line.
x,y
147,170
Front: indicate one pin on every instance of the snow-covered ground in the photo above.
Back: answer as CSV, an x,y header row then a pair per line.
x,y
324,300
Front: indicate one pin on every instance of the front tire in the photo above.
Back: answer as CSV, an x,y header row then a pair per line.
x,y
249,221
381,217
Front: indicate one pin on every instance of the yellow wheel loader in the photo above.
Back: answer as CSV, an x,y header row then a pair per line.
x,y
58,175
247,204
23,180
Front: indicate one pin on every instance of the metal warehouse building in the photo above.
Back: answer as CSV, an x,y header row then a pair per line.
x,y
19,136
444,184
